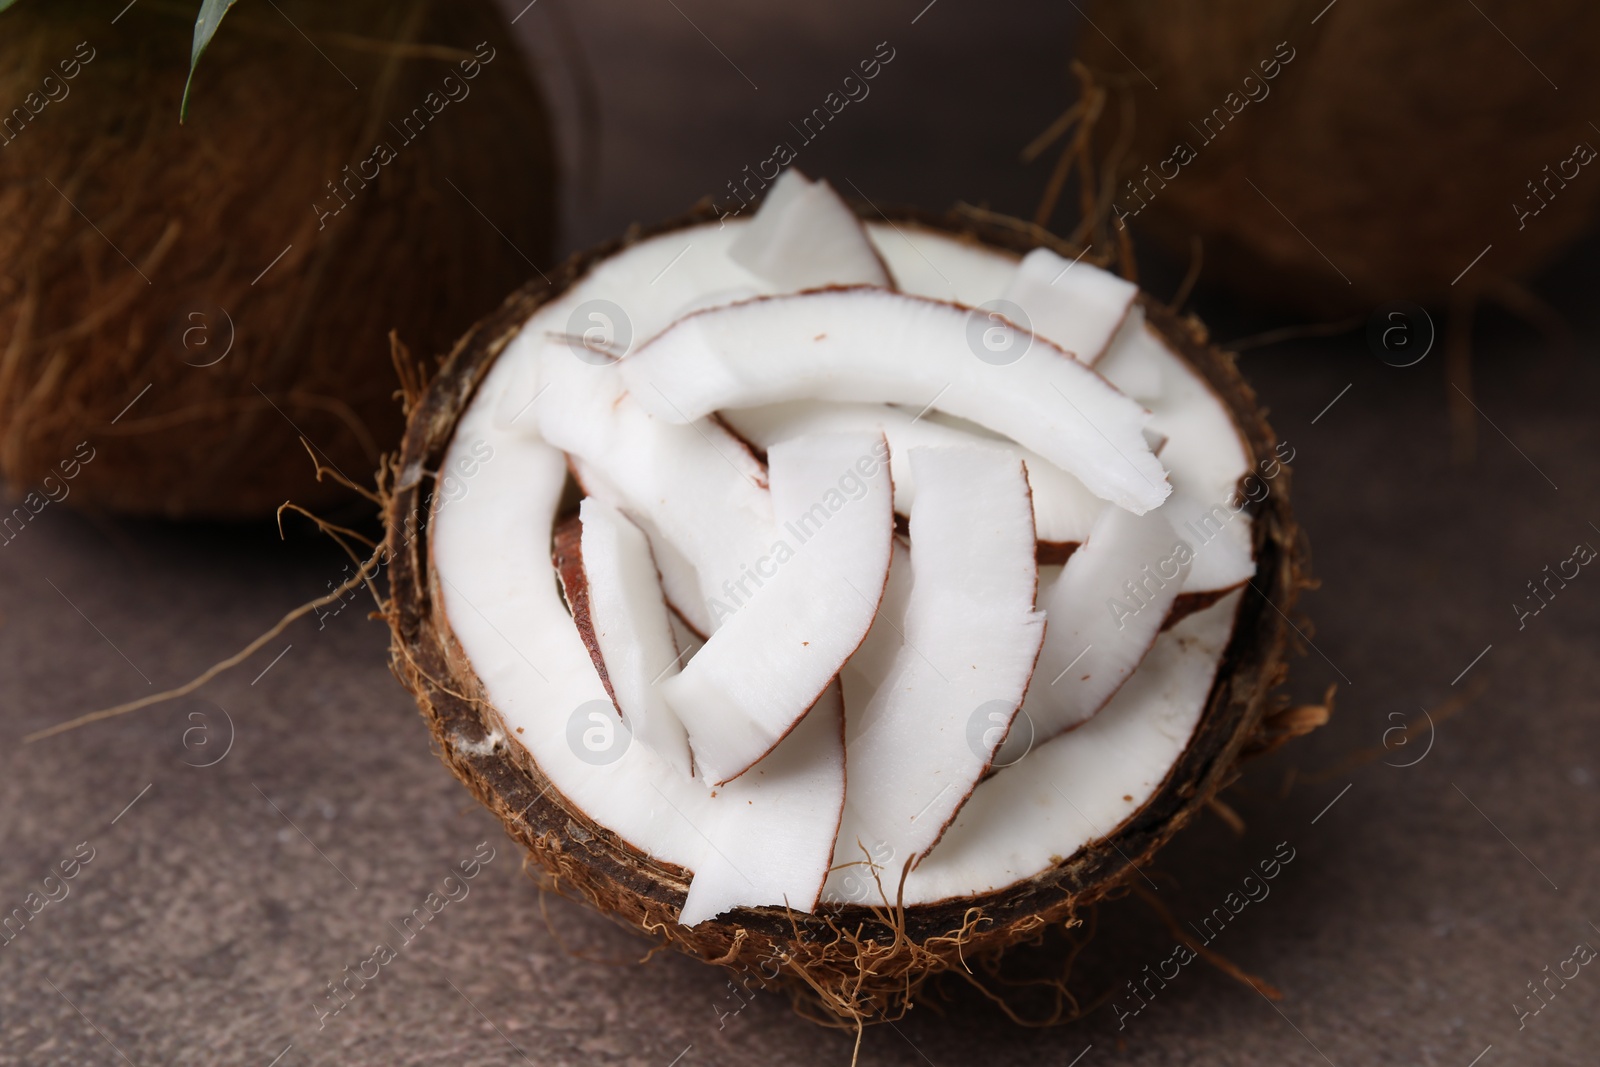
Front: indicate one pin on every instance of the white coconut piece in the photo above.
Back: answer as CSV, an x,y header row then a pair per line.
x,y
1105,608
632,627
870,345
770,835
1075,304
1131,361
732,295
638,292
666,477
804,236
684,636
1206,458
1063,510
1219,532
796,613
970,637
679,582
865,672
938,265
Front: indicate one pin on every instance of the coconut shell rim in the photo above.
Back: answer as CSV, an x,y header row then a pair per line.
x,y
583,860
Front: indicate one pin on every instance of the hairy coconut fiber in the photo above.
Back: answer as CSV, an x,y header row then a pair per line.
x,y
853,964
135,252
1394,148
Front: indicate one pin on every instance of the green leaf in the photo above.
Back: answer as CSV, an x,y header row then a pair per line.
x,y
205,27
6,3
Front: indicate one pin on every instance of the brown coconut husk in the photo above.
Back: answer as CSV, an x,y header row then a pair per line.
x,y
846,965
1396,141
202,211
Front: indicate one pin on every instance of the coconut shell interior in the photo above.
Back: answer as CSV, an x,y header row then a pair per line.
x,y
847,964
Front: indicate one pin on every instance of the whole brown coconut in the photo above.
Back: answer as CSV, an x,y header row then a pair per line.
x,y
851,964
1393,146
183,302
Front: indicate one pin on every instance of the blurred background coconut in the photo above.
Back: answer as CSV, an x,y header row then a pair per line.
x,y
193,299
1389,149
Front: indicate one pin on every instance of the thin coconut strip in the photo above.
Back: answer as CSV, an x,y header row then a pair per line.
x,y
695,486
680,584
1063,510
1105,607
769,836
797,611
1075,304
1207,460
1219,533
1132,362
869,345
868,667
970,639
934,264
630,624
804,236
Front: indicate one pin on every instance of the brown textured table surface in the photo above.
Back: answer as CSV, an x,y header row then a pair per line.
x,y
1421,902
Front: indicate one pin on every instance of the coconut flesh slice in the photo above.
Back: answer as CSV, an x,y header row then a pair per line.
x,y
1131,362
867,669
796,612
969,639
1077,305
770,834
869,345
1208,463
680,583
1105,608
1063,510
611,579
804,237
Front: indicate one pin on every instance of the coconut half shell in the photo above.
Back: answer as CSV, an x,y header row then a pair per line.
x,y
847,964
